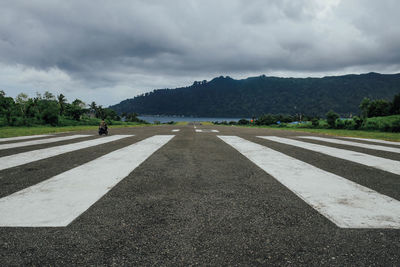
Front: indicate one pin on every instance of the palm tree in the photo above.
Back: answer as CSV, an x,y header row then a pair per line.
x,y
61,102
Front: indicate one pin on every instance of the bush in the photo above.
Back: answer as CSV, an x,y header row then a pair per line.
x,y
331,118
371,125
395,126
243,122
50,114
315,122
387,124
349,124
357,122
339,124
266,119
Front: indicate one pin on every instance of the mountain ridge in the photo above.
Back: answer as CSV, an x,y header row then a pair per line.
x,y
254,96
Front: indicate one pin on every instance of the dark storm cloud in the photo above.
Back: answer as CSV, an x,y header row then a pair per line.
x,y
111,43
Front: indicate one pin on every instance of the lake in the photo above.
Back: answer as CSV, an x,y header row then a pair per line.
x,y
163,119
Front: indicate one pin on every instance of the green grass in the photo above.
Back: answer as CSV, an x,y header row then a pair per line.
x,y
340,132
21,131
206,123
179,123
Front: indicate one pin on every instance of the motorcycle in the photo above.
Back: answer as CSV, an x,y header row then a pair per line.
x,y
103,130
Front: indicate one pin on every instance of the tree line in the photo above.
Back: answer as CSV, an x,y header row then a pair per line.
x,y
55,110
378,114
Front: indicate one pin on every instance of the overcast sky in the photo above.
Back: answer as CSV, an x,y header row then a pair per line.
x,y
107,51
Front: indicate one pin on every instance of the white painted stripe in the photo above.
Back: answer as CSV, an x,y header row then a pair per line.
x,y
348,143
206,131
345,203
175,130
23,137
58,201
374,140
42,141
388,165
31,156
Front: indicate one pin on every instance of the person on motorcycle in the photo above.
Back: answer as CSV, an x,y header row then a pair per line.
x,y
103,128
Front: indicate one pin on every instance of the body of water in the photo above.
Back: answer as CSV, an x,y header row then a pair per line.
x,y
164,119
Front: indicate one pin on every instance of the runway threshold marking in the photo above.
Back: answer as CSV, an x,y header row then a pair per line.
x,y
388,165
57,201
43,141
345,203
34,155
374,140
349,143
23,137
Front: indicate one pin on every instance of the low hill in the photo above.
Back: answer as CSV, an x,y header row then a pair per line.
x,y
226,97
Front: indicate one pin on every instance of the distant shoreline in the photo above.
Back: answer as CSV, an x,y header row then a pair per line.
x,y
163,119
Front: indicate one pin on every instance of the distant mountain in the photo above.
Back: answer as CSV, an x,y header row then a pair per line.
x,y
226,97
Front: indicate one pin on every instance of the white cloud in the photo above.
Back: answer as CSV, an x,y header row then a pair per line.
x,y
107,51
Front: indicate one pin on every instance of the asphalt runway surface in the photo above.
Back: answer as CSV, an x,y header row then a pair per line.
x,y
198,195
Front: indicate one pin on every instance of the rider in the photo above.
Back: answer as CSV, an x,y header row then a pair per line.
x,y
103,125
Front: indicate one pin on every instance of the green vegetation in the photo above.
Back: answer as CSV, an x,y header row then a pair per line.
x,y
56,111
347,133
379,119
10,131
255,96
181,123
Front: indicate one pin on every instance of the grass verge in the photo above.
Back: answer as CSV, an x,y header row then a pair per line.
x,y
180,123
206,123
340,132
21,131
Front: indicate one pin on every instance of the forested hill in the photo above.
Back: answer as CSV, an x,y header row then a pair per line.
x,y
226,97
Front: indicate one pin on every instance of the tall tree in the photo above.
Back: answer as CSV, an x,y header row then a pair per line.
x,y
22,101
331,118
396,104
7,107
49,96
62,101
364,106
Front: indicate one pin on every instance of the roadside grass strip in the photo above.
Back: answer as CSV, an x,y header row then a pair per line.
x,y
374,140
43,141
348,143
23,137
206,131
34,155
345,203
388,165
59,200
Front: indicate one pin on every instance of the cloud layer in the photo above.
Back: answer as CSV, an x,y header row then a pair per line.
x,y
109,50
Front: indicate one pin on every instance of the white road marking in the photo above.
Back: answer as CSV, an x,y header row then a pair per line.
x,y
43,141
57,201
345,203
388,165
206,131
374,140
175,130
30,156
23,137
343,142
